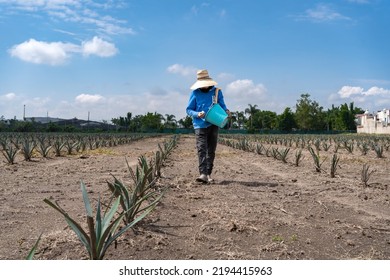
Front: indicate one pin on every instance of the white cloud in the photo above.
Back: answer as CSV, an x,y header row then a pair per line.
x,y
164,105
89,98
373,98
8,96
246,88
37,102
13,105
39,52
322,13
87,12
377,91
181,70
57,53
99,47
238,94
349,91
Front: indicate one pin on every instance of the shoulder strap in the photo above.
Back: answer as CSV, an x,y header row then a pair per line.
x,y
215,98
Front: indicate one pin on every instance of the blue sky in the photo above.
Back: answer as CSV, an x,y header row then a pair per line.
x,y
65,58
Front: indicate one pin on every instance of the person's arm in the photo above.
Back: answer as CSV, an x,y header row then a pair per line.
x,y
191,107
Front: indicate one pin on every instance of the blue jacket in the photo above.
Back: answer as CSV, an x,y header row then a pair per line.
x,y
201,101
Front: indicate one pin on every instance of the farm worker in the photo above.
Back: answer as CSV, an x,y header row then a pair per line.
x,y
203,91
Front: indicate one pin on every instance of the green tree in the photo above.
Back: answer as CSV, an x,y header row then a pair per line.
x,y
343,117
264,120
251,111
136,124
346,117
2,123
186,122
309,114
286,120
123,121
151,121
240,119
170,121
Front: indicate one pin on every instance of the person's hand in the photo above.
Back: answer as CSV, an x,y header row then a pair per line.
x,y
229,113
201,114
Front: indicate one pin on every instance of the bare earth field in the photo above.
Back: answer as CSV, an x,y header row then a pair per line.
x,y
258,207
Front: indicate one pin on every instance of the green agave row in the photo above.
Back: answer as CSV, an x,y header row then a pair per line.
x,y
32,144
130,204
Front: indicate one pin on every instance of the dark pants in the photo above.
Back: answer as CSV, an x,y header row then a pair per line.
x,y
206,143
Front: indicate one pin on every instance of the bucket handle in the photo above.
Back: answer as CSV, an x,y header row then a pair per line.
x,y
215,97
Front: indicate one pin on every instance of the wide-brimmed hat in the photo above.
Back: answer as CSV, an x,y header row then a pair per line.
x,y
203,80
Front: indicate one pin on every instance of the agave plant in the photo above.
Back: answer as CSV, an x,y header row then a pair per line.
x,y
44,146
349,146
283,154
268,151
259,148
102,230
28,147
366,174
158,163
326,146
334,165
337,146
317,144
298,157
275,153
364,148
133,200
10,151
70,146
58,145
379,151
316,159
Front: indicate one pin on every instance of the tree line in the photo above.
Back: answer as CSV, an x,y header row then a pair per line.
x,y
308,116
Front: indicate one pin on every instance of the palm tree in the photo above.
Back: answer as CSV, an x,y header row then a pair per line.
x,y
240,119
251,111
170,121
233,120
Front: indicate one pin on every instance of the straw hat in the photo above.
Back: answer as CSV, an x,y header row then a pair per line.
x,y
203,80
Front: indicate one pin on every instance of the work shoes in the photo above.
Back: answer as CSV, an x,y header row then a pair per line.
x,y
202,178
209,179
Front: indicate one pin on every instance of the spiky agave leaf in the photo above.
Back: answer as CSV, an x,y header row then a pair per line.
x,y
86,199
31,254
101,229
334,165
105,237
81,234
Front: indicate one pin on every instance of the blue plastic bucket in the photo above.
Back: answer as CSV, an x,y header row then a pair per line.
x,y
217,116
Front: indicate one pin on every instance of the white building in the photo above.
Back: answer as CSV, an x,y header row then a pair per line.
x,y
377,123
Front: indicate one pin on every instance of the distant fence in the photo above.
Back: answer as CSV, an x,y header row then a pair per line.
x,y
262,131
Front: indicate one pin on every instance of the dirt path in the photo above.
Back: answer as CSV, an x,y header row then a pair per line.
x,y
258,208
261,209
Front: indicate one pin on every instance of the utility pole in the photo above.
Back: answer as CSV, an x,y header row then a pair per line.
x,y
24,112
